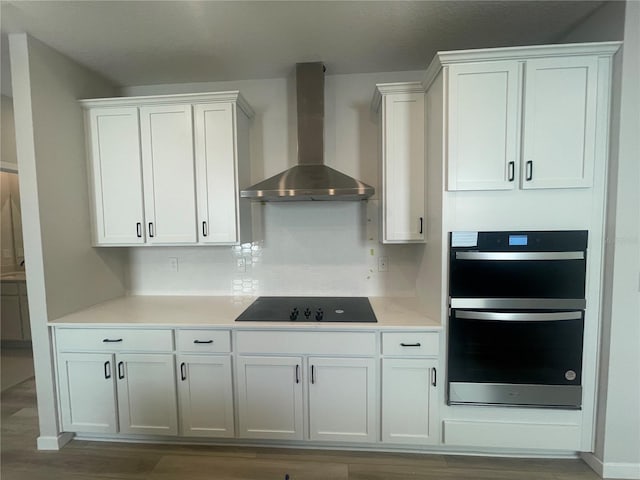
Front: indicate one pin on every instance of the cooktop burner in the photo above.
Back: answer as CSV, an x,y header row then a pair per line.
x,y
309,309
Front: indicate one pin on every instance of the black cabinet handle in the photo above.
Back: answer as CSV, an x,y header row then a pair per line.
x,y
120,370
434,377
107,370
139,230
297,373
151,229
112,340
421,222
512,171
529,170
205,230
313,374
410,344
203,341
183,371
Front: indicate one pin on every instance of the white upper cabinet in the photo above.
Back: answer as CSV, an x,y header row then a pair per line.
x,y
559,122
168,166
221,139
523,116
116,175
401,116
482,125
167,170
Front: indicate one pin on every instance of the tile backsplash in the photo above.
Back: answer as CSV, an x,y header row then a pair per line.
x,y
306,248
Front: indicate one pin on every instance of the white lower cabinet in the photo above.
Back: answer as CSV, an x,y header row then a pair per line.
x,y
410,392
87,392
409,401
130,393
205,395
342,399
270,397
117,381
147,394
307,386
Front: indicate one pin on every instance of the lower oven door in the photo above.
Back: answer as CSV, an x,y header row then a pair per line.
x,y
515,358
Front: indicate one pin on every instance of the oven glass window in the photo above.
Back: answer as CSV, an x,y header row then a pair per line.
x,y
517,279
536,352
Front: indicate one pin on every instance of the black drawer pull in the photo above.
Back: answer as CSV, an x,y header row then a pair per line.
x,y
139,230
313,374
205,230
120,370
421,222
107,370
112,340
151,229
203,341
183,371
529,171
410,344
297,373
434,377
512,171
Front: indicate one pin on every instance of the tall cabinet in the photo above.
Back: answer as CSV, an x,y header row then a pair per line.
x,y
166,170
521,117
518,139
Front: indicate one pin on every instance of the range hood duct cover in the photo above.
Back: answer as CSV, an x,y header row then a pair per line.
x,y
310,179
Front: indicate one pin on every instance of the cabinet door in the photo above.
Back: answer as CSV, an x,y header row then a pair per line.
x,y
559,122
147,394
270,397
215,140
403,172
409,403
116,172
342,399
169,179
206,398
10,321
87,392
483,125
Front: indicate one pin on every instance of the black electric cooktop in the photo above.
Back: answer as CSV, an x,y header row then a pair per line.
x,y
309,309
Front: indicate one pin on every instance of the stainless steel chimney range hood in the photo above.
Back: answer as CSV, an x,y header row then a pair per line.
x,y
310,179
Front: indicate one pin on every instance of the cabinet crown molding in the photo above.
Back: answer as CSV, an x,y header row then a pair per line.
x,y
191,98
442,59
391,88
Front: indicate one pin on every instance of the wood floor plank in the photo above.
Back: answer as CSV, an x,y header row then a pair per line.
x,y
91,460
174,467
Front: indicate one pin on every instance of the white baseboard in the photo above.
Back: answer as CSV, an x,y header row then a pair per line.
x,y
627,471
54,443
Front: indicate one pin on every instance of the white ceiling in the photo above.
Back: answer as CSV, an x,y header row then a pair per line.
x,y
155,42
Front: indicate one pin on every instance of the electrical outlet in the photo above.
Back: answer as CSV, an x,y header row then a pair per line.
x,y
241,264
383,264
173,264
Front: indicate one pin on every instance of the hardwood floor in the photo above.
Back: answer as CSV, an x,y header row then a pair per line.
x,y
82,460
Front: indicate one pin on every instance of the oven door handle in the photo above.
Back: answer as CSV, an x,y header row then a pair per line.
x,y
518,317
519,255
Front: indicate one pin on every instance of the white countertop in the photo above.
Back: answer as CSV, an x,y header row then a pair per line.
x,y
201,311
13,277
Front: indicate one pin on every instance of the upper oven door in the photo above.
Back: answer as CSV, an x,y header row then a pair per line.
x,y
517,274
520,265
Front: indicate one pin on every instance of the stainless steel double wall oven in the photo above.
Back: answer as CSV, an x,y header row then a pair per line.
x,y
516,320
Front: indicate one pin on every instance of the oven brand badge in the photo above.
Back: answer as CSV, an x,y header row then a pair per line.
x,y
570,375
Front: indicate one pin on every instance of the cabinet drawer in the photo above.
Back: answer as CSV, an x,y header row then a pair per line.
x,y
113,340
9,288
205,341
321,343
411,344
